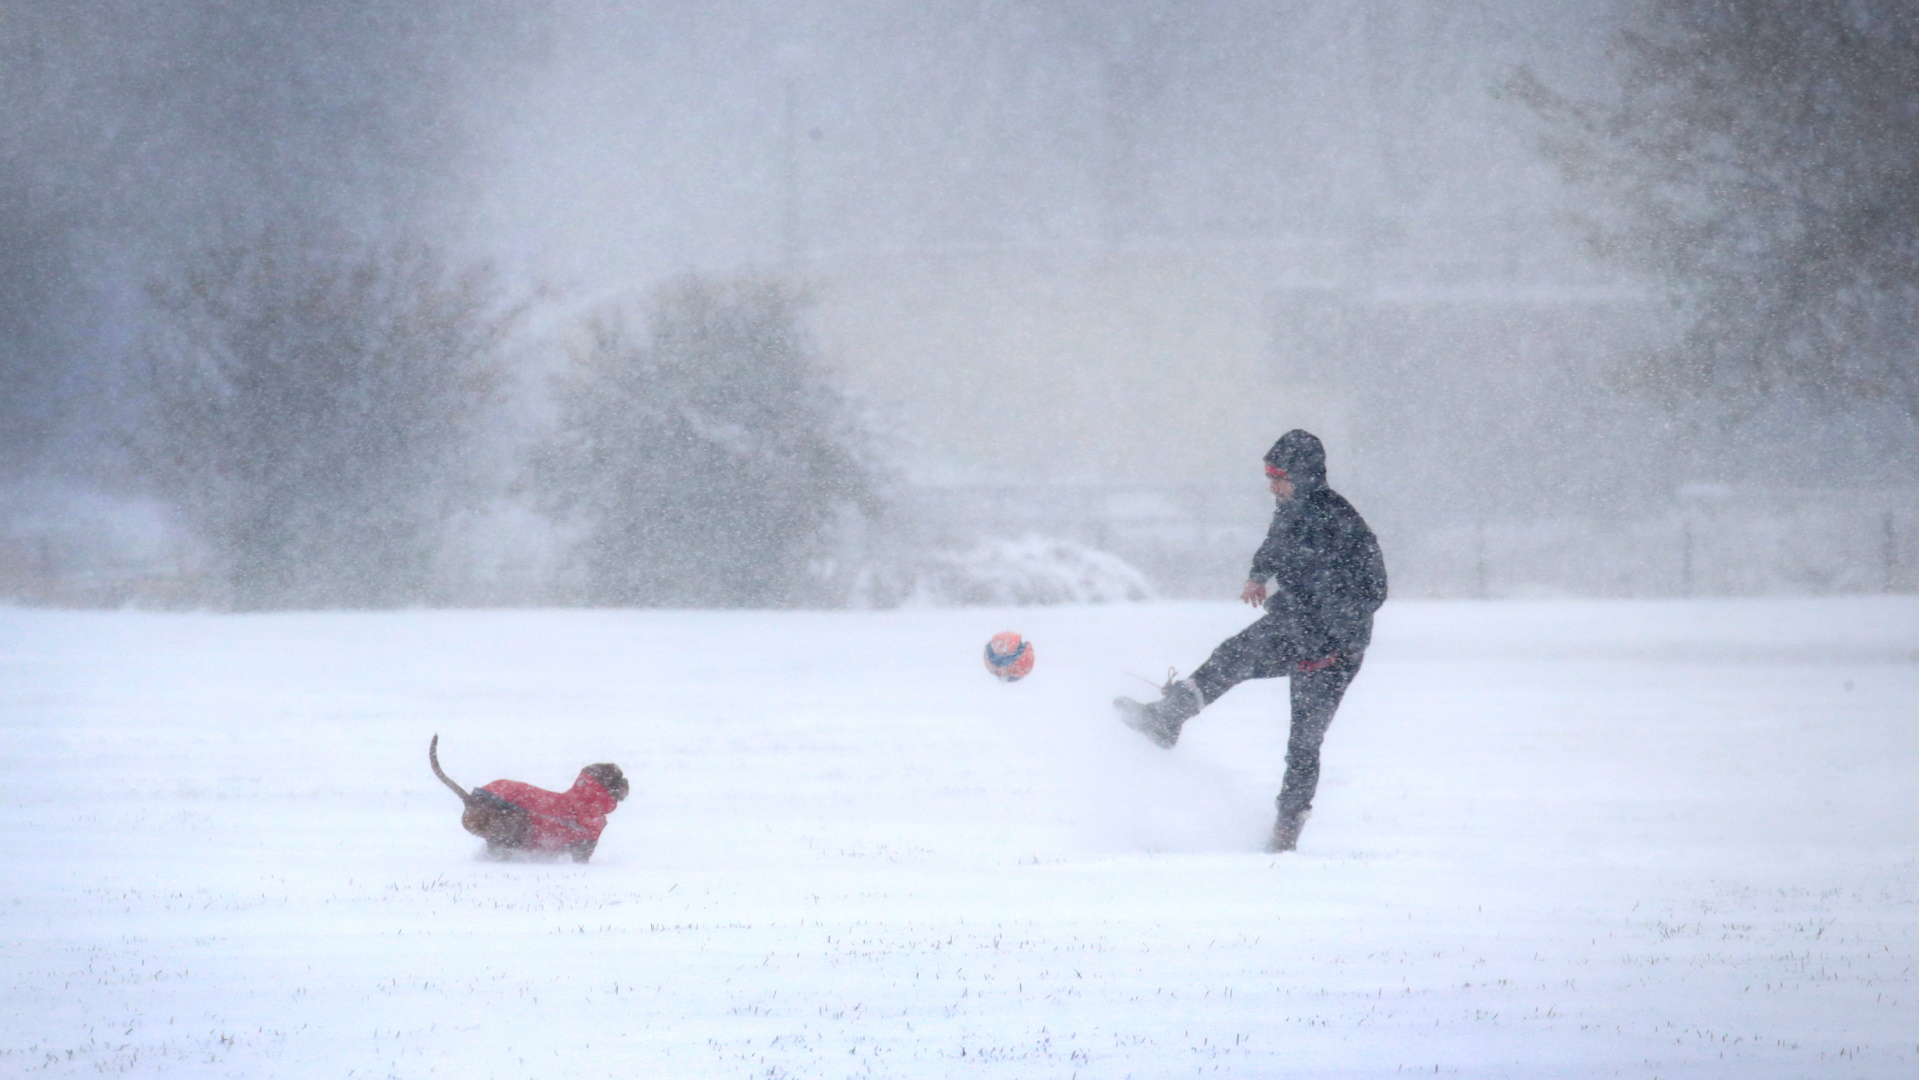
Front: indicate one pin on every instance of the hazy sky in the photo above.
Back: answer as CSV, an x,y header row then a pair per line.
x,y
656,137
1056,240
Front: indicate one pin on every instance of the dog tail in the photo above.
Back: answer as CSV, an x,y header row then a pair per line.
x,y
433,758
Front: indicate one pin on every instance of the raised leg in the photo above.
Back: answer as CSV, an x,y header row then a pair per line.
x,y
1267,649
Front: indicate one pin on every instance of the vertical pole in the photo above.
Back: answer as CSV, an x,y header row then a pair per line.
x,y
48,574
1479,558
790,180
1685,557
1889,552
1121,76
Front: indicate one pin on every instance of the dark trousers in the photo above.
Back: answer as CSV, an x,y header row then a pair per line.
x,y
1268,649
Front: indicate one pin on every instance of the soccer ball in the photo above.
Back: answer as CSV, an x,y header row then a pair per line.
x,y
1008,656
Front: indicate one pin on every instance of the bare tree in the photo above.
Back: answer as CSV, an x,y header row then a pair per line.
x,y
707,462
132,131
308,405
35,278
1763,158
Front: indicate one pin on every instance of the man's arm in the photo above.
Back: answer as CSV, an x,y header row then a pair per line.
x,y
1266,563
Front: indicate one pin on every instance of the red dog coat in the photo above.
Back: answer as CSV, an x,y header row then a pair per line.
x,y
556,820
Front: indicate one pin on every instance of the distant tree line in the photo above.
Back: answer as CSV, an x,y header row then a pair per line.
x,y
313,415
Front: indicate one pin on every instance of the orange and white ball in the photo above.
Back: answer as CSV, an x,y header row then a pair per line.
x,y
1009,657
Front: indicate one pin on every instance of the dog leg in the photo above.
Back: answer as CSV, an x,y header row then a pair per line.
x,y
496,821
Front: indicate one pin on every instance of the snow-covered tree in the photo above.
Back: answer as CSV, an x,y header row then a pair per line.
x,y
308,405
1762,157
707,458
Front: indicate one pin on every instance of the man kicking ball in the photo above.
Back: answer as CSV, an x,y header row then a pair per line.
x,y
1328,579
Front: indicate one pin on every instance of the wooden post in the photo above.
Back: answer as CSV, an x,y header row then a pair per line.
x,y
1479,558
1889,553
1685,557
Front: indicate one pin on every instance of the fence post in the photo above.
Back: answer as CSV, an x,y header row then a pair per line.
x,y
1889,552
1685,556
1479,558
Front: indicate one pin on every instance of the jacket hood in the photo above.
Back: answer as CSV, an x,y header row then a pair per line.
x,y
1302,457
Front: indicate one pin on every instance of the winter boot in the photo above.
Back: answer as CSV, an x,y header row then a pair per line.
x,y
1179,701
1286,832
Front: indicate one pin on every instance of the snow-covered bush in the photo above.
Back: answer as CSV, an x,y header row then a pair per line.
x,y
1024,571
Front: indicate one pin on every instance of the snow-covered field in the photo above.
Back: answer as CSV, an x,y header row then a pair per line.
x,y
1553,840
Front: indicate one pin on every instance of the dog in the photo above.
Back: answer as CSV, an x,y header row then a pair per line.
x,y
515,817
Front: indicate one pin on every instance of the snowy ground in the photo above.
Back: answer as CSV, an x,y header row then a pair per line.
x,y
1554,840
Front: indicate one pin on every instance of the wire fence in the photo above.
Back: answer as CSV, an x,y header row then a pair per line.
x,y
1198,542
1195,542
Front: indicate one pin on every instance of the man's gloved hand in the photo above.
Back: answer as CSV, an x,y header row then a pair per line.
x,y
1254,593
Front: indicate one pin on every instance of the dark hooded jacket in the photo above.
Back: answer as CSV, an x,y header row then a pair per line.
x,y
1328,574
